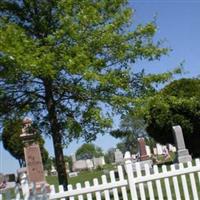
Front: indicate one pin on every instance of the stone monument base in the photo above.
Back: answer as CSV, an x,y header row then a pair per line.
x,y
144,157
142,164
183,156
40,187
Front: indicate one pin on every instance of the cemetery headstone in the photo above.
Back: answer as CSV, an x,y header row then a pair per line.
x,y
159,149
33,159
99,162
155,152
82,165
182,153
133,156
143,158
142,149
73,174
118,156
53,171
148,150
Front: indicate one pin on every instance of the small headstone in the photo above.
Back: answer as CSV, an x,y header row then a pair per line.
x,y
82,165
134,156
99,161
155,151
148,150
73,174
174,149
159,149
142,149
118,156
182,153
53,171
89,164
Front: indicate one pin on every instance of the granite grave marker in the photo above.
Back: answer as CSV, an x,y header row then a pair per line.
x,y
182,153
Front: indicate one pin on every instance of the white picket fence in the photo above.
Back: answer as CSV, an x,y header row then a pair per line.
x,y
175,182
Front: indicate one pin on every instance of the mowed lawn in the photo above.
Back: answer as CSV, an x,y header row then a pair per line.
x,y
81,178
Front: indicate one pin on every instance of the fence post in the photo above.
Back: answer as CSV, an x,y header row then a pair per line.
x,y
129,171
25,186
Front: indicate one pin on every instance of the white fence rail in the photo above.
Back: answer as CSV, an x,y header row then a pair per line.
x,y
173,182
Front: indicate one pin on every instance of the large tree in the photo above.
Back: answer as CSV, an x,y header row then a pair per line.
x,y
131,128
88,151
176,104
64,61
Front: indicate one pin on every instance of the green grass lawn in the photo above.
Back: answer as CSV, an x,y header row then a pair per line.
x,y
81,178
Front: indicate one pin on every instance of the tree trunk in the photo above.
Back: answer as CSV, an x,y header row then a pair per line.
x,y
59,159
56,134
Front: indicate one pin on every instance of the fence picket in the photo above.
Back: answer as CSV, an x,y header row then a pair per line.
x,y
149,183
78,186
61,190
184,183
121,178
115,192
97,194
17,193
89,195
70,188
158,184
167,185
197,163
141,185
193,184
175,183
129,171
25,186
106,192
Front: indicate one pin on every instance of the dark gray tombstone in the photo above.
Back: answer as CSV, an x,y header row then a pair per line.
x,y
182,155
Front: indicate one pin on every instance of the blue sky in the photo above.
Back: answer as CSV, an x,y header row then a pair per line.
x,y
179,24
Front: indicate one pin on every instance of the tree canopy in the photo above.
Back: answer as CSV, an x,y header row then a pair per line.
x,y
64,61
88,151
176,104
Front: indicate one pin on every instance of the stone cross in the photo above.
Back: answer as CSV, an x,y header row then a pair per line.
x,y
182,152
142,149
